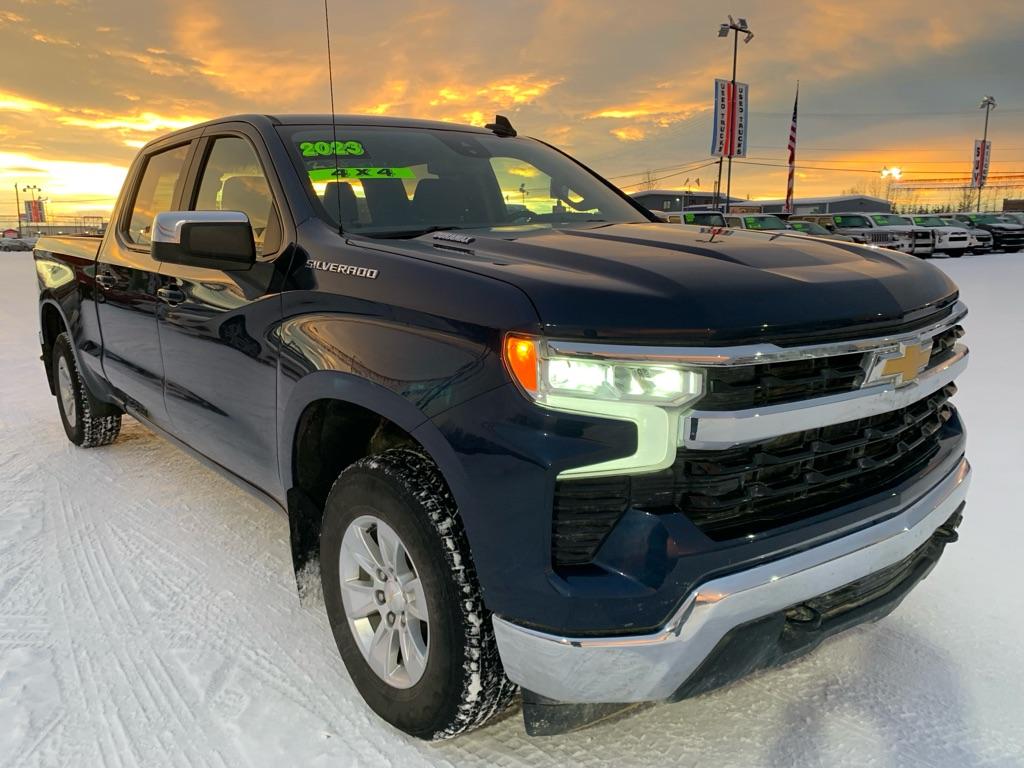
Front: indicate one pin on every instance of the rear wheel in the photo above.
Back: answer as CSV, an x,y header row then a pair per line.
x,y
403,600
81,425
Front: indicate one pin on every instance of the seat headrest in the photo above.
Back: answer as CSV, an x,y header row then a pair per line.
x,y
340,202
439,201
248,194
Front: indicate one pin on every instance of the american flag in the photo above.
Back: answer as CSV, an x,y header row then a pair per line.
x,y
792,154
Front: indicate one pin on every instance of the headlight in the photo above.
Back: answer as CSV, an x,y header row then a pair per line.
x,y
550,378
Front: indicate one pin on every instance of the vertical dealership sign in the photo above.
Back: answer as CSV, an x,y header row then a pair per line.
x,y
34,211
979,170
729,132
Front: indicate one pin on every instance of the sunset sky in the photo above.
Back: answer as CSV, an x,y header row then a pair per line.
x,y
625,87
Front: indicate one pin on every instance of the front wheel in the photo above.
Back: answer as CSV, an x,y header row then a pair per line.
x,y
403,600
81,425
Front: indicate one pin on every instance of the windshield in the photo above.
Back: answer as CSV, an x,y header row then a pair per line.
x,y
809,227
851,221
764,222
708,219
929,221
985,218
884,220
400,182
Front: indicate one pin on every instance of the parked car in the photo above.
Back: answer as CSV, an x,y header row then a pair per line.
x,y
566,449
1006,236
980,239
763,222
703,218
923,238
14,244
1014,217
951,240
813,229
860,228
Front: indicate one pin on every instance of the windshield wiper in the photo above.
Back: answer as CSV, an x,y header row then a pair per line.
x,y
399,234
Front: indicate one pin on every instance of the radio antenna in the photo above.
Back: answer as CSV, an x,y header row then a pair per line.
x,y
334,119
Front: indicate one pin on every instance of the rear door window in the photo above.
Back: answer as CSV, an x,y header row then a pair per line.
x,y
158,188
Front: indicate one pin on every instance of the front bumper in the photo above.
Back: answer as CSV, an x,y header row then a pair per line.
x,y
657,666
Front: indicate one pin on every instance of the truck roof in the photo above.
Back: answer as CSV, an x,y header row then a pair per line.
x,y
325,119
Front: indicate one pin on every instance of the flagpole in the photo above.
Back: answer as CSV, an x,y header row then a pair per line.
x,y
792,152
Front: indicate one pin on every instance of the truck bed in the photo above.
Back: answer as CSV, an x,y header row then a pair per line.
x,y
77,246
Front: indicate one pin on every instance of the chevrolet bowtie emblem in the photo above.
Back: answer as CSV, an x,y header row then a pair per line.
x,y
911,361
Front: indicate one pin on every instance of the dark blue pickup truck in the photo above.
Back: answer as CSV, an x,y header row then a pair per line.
x,y
526,437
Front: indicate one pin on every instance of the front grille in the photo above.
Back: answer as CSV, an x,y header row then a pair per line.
x,y
881,237
943,343
754,488
584,513
751,386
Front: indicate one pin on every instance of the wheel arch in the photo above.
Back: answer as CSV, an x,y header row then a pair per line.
x,y
370,412
52,323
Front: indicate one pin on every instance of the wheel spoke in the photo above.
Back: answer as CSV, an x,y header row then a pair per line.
x,y
416,601
359,598
414,650
384,647
365,552
391,549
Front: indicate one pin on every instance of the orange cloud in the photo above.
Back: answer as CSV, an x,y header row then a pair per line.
x,y
629,133
17,103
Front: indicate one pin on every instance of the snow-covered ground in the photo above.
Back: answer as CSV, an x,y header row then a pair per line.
x,y
148,613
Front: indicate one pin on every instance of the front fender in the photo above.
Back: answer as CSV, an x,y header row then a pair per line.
x,y
347,387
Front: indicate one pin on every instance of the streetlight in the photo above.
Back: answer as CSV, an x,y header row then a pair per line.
x,y
892,174
988,104
737,26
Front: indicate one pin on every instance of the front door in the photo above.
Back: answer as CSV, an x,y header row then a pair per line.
x,y
128,284
220,353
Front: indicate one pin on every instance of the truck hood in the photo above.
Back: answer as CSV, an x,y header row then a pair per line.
x,y
658,283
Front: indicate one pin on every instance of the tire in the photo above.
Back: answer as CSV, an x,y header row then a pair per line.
x,y
401,494
82,427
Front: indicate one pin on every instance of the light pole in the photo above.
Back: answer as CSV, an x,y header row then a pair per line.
x,y
740,25
892,174
17,207
988,104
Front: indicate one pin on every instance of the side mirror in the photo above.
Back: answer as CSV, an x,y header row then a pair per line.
x,y
211,239
829,226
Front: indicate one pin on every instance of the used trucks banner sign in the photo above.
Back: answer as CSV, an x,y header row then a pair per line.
x,y
729,138
979,169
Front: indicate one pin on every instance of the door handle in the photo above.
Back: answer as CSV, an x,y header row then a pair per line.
x,y
170,295
106,280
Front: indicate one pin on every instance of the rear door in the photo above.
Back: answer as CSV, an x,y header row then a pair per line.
x,y
128,283
220,352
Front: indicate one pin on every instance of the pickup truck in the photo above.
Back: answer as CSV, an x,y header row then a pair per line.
x,y
1006,236
950,240
861,228
526,437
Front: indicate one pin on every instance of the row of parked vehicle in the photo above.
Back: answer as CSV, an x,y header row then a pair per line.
x,y
952,234
16,244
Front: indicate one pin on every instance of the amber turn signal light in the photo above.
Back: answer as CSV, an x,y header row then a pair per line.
x,y
521,359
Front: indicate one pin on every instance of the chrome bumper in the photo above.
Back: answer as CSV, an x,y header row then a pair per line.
x,y
652,667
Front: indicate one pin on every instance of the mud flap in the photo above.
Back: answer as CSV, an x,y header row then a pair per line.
x,y
304,518
545,717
